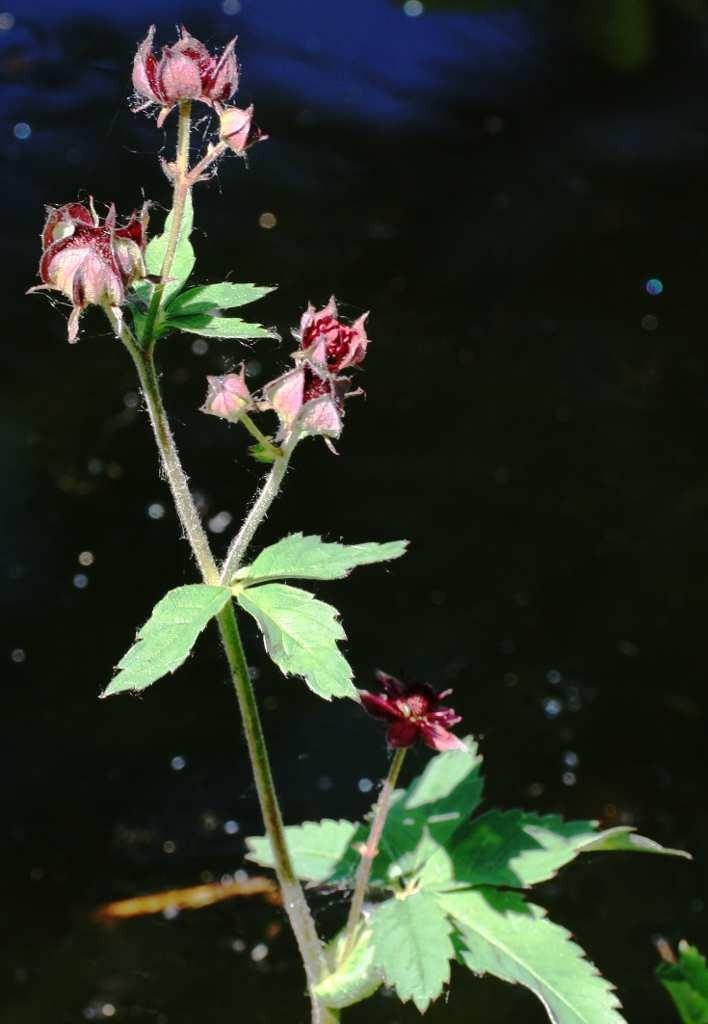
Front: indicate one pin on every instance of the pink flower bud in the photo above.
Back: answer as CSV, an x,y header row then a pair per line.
x,y
184,71
309,400
306,404
326,341
237,130
89,262
228,396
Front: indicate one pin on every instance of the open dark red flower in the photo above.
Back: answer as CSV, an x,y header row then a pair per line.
x,y
414,711
184,71
90,262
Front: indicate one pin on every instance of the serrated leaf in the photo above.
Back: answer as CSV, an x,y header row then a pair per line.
x,y
168,636
316,848
434,806
519,849
207,298
315,559
301,635
412,947
686,981
217,326
183,262
502,935
624,838
353,978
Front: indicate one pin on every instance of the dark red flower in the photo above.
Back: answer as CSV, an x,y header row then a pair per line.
x,y
310,398
324,339
90,262
184,71
414,711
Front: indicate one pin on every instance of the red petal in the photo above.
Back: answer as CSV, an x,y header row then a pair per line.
x,y
390,685
380,707
402,734
437,737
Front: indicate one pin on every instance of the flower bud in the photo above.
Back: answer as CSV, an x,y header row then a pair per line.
x,y
237,130
306,404
184,71
326,341
228,396
89,262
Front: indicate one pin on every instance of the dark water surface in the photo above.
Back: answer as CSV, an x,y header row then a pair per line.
x,y
536,423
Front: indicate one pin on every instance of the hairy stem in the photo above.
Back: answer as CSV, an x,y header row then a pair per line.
x,y
182,185
369,852
259,510
179,485
293,897
206,161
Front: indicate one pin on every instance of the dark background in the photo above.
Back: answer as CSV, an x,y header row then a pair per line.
x,y
498,183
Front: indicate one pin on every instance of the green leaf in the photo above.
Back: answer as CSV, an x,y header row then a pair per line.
x,y
412,947
184,258
206,298
352,979
301,635
217,326
519,849
315,559
502,935
422,820
316,848
686,981
168,636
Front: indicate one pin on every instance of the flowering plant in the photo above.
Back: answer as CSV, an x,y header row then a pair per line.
x,y
445,885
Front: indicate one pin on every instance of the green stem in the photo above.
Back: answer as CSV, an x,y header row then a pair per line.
x,y
179,485
293,897
363,873
259,435
182,185
259,510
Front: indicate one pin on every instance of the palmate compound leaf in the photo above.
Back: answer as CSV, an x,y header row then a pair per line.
x,y
518,849
326,851
168,636
686,981
310,557
207,298
412,946
498,933
424,817
301,635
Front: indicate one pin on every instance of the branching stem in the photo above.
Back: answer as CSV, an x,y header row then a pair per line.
x,y
259,510
143,356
